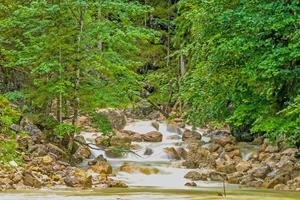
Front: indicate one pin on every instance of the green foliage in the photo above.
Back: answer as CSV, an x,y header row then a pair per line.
x,y
8,115
102,123
8,151
244,64
63,130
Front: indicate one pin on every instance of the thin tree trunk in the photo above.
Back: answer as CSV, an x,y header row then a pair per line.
x,y
77,80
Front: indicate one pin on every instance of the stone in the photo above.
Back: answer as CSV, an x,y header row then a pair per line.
x,y
31,180
182,152
224,140
196,176
243,166
271,182
227,167
153,136
234,153
260,171
271,149
191,135
172,153
234,178
83,152
116,117
190,184
290,152
116,184
76,177
131,168
155,125
47,160
102,141
258,140
281,187
13,163
101,167
230,147
148,151
217,176
99,158
134,136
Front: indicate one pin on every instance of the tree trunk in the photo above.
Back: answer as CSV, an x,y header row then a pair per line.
x,y
77,79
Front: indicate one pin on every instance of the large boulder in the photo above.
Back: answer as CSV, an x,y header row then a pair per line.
x,y
78,178
134,136
116,117
271,182
196,176
243,166
31,180
153,136
191,135
101,167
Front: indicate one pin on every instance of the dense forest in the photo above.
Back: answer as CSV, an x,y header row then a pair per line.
x,y
229,65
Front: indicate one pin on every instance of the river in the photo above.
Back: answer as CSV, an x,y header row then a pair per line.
x,y
167,183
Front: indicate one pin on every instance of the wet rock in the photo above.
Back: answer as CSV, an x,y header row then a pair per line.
x,y
140,169
116,184
78,178
101,167
173,127
153,136
116,117
83,152
191,135
134,136
31,180
182,152
172,153
148,151
99,158
102,141
155,125
196,176
123,141
190,184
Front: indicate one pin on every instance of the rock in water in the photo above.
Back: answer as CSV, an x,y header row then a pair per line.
x,y
191,184
153,136
148,151
155,125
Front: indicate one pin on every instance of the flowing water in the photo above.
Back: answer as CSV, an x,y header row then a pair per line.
x,y
167,183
